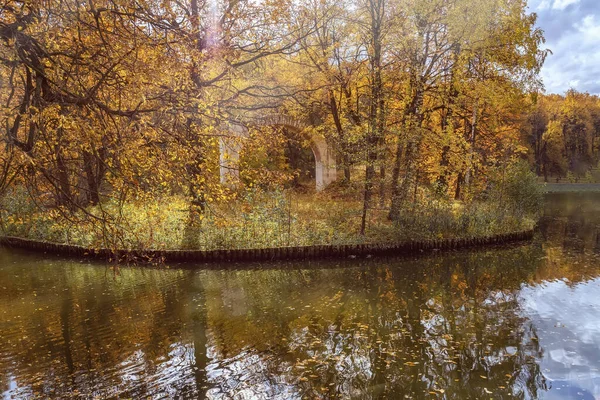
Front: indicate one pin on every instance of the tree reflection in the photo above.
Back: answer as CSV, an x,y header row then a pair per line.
x,y
422,329
438,327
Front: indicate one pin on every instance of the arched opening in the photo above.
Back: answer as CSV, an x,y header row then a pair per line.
x,y
301,159
295,148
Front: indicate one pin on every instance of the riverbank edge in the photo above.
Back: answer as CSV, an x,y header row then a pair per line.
x,y
553,188
267,254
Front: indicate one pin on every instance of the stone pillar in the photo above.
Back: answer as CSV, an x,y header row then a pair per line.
x,y
325,170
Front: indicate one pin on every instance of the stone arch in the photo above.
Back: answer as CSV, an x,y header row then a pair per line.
x,y
325,169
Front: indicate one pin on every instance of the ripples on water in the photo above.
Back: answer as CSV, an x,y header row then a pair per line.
x,y
520,322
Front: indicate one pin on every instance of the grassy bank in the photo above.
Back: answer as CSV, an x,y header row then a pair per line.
x,y
570,187
258,220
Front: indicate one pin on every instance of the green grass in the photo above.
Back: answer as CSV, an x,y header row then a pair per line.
x,y
260,220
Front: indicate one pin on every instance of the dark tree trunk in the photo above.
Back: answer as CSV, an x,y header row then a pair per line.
x,y
458,191
374,134
444,163
394,208
382,155
414,118
93,194
471,139
333,107
382,184
62,176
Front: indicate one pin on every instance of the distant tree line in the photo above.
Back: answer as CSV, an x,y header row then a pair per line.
x,y
564,134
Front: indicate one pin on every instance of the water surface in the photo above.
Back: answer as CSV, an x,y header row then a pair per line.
x,y
515,322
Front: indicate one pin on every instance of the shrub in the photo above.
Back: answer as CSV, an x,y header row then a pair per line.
x,y
589,178
516,189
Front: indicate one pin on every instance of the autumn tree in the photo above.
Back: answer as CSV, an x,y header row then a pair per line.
x,y
563,133
450,58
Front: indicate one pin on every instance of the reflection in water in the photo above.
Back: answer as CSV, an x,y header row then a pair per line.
x,y
506,323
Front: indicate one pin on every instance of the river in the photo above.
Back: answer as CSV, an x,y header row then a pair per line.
x,y
509,322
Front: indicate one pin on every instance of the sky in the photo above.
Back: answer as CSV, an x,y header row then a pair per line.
x,y
572,31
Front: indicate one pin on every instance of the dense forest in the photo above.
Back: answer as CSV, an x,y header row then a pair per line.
x,y
563,132
116,117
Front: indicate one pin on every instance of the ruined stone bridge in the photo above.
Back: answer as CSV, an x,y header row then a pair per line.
x,y
231,145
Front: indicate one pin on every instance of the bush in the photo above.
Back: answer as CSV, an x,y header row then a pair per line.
x,y
516,188
589,178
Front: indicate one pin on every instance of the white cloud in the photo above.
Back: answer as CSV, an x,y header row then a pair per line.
x,y
540,5
589,27
565,320
573,38
562,4
544,5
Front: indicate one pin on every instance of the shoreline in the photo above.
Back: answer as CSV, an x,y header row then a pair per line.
x,y
267,254
550,188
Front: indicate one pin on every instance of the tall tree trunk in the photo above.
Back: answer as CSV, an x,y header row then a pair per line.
x,y
447,123
368,190
395,178
376,9
458,191
382,155
472,142
382,183
62,175
414,120
333,107
93,192
442,180
544,161
416,187
538,153
410,176
196,166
